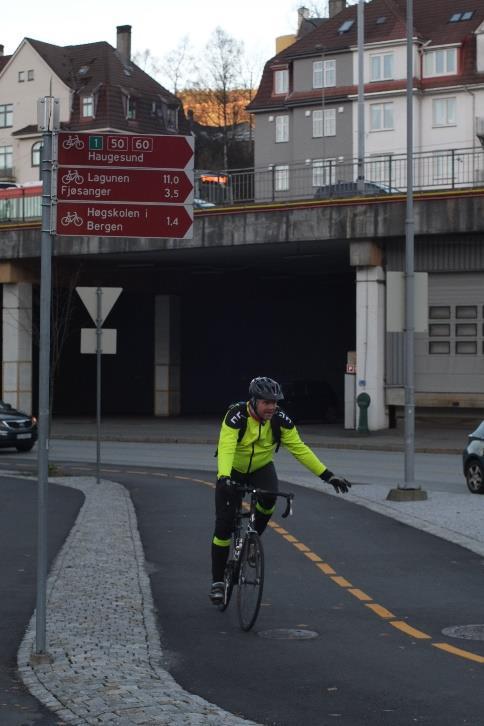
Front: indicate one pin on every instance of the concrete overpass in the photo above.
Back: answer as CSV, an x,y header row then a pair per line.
x,y
347,244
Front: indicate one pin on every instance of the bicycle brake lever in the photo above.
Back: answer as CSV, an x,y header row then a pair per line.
x,y
288,510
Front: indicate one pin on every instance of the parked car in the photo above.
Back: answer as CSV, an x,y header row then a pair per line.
x,y
350,189
310,401
17,429
473,460
202,203
7,185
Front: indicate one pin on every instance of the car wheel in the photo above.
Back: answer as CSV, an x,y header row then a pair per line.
x,y
475,477
25,447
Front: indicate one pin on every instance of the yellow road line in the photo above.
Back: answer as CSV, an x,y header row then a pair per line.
x,y
313,556
359,594
458,651
290,538
405,628
341,581
380,610
301,547
327,569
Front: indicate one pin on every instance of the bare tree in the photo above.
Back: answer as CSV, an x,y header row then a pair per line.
x,y
176,64
220,75
147,62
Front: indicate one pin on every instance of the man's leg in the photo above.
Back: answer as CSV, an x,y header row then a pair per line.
x,y
225,507
265,478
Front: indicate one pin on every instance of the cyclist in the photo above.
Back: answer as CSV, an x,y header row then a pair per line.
x,y
249,435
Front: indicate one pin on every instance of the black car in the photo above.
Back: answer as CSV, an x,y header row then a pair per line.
x,y
17,429
350,189
473,460
310,401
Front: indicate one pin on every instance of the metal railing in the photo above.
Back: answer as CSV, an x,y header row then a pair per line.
x,y
385,174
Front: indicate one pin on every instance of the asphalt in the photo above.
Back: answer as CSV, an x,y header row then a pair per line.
x,y
103,640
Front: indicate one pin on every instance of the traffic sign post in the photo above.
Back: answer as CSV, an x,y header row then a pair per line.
x,y
114,185
99,302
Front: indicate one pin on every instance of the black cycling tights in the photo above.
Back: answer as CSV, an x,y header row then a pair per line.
x,y
226,505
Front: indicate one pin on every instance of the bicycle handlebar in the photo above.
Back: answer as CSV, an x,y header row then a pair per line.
x,y
288,497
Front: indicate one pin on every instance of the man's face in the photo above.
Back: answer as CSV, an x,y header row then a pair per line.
x,y
265,409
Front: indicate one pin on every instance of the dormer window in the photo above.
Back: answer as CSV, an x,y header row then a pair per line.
x,y
172,118
441,62
87,106
131,108
281,81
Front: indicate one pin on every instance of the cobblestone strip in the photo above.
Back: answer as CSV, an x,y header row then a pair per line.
x,y
101,628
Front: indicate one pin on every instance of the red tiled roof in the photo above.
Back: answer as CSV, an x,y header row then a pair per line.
x,y
431,24
97,68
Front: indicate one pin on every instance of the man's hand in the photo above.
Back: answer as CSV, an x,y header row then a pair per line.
x,y
226,482
340,484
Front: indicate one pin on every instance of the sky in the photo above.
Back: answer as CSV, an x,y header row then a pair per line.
x,y
156,26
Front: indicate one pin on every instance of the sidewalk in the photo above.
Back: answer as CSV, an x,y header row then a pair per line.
x,y
442,435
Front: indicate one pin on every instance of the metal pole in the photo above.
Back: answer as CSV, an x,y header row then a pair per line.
x,y
99,323
361,97
44,388
409,274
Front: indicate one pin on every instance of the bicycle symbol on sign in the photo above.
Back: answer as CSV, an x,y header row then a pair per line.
x,y
73,142
74,176
71,218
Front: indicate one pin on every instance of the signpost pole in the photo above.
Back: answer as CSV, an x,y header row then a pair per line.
x,y
47,122
99,323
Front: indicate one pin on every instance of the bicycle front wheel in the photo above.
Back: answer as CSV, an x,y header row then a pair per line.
x,y
251,581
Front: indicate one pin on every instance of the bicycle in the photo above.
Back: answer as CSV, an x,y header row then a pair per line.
x,y
245,566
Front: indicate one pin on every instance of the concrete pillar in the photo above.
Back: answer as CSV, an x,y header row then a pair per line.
x,y
167,355
370,343
17,345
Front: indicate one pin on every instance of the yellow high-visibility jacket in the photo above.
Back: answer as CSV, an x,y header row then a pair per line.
x,y
257,445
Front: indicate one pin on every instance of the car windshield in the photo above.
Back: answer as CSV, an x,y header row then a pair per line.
x,y
479,432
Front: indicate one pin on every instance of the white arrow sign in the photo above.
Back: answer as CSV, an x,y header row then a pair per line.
x,y
109,295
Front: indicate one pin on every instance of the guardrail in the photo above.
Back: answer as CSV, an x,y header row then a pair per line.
x,y
447,169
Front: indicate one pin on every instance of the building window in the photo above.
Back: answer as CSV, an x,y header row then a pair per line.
x,y
6,159
88,106
455,336
281,81
324,73
381,116
444,112
30,75
323,172
36,153
6,115
131,108
466,15
172,118
442,62
381,67
281,178
282,129
329,127
21,76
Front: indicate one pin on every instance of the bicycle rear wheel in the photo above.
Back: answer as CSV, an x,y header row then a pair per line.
x,y
251,581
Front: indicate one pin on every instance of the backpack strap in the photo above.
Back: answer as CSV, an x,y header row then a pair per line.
x,y
278,421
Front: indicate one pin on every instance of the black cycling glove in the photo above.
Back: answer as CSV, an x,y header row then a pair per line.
x,y
226,482
340,484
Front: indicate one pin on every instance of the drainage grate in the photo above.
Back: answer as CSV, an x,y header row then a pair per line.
x,y
466,632
288,634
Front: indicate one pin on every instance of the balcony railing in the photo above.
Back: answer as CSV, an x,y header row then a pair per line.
x,y
447,169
